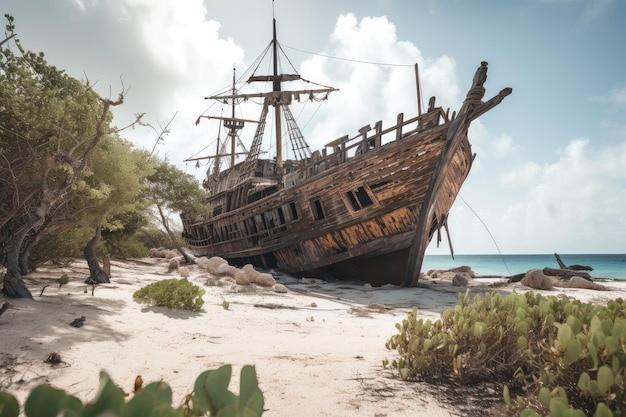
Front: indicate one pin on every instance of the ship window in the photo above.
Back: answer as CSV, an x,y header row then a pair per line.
x,y
281,215
294,212
359,198
252,225
316,208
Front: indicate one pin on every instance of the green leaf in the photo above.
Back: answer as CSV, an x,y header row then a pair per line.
x,y
9,407
584,382
507,395
250,398
602,411
605,379
572,351
564,334
545,396
110,398
211,390
45,401
152,397
558,407
522,342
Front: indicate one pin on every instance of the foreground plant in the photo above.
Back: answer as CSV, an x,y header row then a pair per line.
x,y
560,357
210,395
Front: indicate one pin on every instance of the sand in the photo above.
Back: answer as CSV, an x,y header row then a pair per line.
x,y
317,349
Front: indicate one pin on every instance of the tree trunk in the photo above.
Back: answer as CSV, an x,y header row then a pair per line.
x,y
171,235
25,254
559,261
14,286
96,273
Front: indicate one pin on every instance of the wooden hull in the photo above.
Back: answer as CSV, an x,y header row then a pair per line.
x,y
364,209
355,221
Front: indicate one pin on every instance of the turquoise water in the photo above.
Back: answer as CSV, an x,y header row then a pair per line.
x,y
604,265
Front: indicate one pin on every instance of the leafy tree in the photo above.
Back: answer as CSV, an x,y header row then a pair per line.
x,y
50,125
172,190
114,190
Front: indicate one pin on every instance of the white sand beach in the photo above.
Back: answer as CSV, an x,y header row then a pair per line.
x,y
317,349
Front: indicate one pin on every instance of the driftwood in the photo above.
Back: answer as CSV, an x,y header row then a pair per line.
x,y
572,267
566,273
4,308
517,277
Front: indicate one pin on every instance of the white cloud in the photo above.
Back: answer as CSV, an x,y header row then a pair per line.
x,y
576,200
618,95
503,145
370,92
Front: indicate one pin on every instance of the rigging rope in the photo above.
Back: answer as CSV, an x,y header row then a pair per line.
x,y
350,60
489,232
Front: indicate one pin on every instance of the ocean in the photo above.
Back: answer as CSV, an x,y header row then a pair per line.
x,y
604,265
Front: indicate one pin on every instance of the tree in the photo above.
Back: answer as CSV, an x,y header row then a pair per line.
x,y
171,190
116,187
50,125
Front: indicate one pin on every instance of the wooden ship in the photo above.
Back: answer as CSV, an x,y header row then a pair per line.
x,y
363,208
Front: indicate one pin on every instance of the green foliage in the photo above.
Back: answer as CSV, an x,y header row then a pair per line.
x,y
172,293
566,357
128,247
61,251
64,279
211,395
175,190
151,237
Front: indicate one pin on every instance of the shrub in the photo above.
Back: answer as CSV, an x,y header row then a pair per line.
x,y
210,395
172,293
561,357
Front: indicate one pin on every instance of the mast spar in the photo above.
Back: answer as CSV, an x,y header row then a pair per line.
x,y
276,89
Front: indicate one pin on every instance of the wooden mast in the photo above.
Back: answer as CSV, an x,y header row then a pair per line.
x,y
233,131
419,91
277,104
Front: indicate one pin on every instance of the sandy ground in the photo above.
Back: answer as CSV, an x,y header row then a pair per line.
x,y
318,349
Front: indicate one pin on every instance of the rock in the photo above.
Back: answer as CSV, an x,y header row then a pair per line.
x,y
174,263
202,262
78,322
580,282
241,278
228,270
170,254
466,270
250,273
460,280
212,264
280,288
367,287
535,278
265,280
183,271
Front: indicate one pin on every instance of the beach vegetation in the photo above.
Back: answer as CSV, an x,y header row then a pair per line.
x,y
210,396
172,293
70,173
551,356
172,191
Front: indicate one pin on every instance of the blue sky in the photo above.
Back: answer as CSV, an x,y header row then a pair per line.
x,y
550,170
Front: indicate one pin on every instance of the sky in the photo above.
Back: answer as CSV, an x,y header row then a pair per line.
x,y
550,171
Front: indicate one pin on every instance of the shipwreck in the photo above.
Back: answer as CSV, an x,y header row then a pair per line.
x,y
365,207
